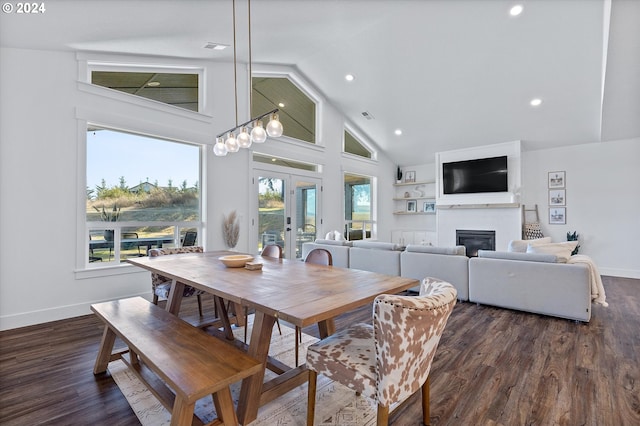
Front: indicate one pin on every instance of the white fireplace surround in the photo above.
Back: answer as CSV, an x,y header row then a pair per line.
x,y
499,212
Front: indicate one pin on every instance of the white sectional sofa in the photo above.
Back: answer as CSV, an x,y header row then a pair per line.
x,y
530,282
374,256
450,264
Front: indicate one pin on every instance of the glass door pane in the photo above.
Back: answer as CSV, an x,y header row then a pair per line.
x,y
271,211
287,211
305,217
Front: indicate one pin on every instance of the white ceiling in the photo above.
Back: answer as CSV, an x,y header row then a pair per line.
x,y
450,73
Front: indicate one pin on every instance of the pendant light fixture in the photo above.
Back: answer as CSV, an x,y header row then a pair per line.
x,y
251,131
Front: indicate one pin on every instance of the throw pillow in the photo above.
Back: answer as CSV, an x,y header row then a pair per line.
x,y
561,250
520,246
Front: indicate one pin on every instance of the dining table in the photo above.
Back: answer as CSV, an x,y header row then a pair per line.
x,y
299,293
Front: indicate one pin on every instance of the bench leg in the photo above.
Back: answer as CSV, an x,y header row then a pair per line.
x,y
182,413
104,354
224,407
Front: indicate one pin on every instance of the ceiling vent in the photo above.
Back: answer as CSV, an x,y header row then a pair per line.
x,y
367,115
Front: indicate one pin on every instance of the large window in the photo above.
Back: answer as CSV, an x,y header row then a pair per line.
x,y
142,192
357,205
297,110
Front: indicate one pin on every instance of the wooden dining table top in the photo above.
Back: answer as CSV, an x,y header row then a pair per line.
x,y
297,292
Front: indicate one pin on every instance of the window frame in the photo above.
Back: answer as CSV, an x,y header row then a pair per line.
x,y
85,268
361,140
372,221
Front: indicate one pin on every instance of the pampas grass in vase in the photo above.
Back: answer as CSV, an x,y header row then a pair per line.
x,y
231,229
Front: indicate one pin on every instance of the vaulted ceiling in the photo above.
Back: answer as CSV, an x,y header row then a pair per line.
x,y
449,73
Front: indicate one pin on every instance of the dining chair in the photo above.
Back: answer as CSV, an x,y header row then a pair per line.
x,y
190,238
271,250
390,359
318,256
92,256
130,245
161,285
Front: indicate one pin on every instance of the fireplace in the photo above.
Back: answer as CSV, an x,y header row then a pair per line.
x,y
475,240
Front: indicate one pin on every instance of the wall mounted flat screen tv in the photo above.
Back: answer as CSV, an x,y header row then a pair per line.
x,y
473,176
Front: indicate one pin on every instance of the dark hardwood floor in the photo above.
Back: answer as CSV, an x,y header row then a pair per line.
x,y
493,367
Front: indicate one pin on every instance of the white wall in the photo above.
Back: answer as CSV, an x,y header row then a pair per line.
x,y
602,197
39,203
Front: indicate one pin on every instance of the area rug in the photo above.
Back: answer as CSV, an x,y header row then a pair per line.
x,y
336,405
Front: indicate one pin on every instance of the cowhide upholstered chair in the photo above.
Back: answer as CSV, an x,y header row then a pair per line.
x,y
391,359
161,285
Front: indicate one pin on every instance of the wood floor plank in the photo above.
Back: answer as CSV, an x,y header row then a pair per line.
x,y
493,367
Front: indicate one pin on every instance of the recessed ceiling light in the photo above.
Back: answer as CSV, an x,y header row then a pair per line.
x,y
281,105
215,46
535,102
349,77
516,10
398,132
153,84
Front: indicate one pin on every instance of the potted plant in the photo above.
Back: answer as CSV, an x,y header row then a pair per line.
x,y
573,236
398,175
109,216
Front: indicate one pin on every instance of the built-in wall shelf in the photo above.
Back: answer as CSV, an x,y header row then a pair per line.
x,y
414,183
414,198
480,206
413,213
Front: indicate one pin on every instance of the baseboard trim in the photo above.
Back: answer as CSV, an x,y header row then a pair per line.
x,y
25,319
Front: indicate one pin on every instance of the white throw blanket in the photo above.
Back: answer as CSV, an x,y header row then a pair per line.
x,y
597,289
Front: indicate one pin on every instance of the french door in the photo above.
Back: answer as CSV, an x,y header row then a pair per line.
x,y
287,207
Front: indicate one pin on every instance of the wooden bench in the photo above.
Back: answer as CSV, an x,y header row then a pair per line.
x,y
191,363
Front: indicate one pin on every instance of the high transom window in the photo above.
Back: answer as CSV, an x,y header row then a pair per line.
x,y
353,146
177,89
297,110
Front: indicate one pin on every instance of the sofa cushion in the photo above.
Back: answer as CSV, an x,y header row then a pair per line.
x,y
377,245
334,242
520,246
457,250
511,255
561,250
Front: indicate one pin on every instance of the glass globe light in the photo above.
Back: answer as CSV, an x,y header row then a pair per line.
x,y
258,135
244,140
232,143
274,128
220,149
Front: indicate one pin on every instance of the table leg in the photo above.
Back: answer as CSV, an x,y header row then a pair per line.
x,y
175,297
251,389
326,328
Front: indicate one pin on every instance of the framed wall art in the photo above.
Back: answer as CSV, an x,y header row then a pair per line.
x,y
557,197
556,179
429,207
557,215
411,206
410,177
